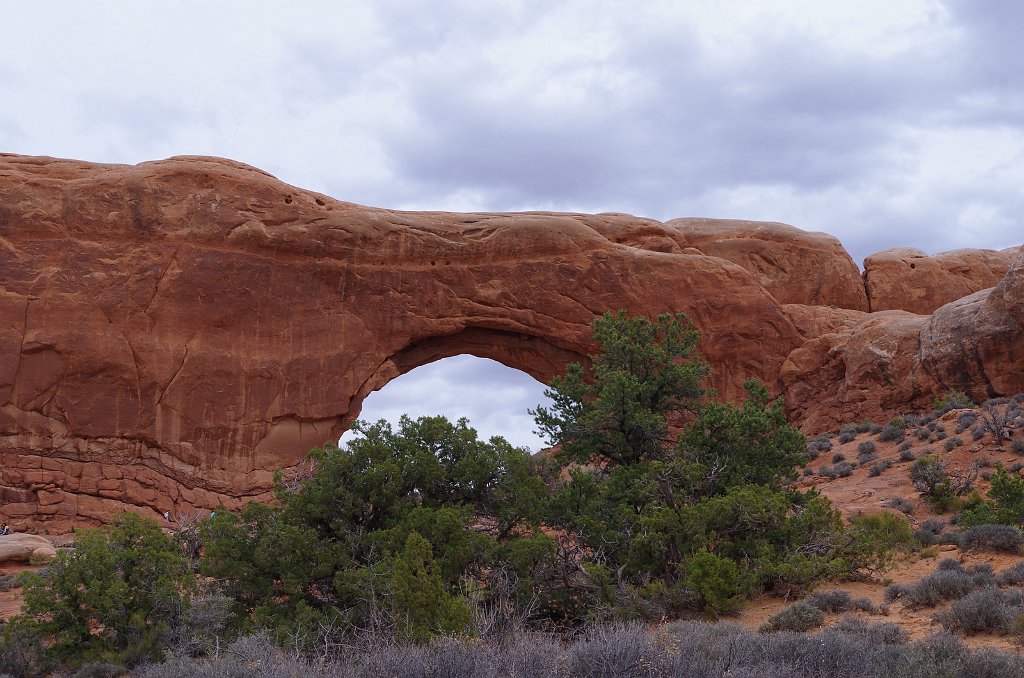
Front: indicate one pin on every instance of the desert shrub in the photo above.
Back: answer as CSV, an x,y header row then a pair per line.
x,y
877,537
885,633
1017,445
907,455
922,434
952,399
798,617
966,419
949,445
924,537
9,581
900,504
977,433
821,443
866,450
905,445
838,457
949,582
840,470
1004,538
1012,575
847,435
933,525
808,471
987,610
614,650
993,402
1016,466
892,433
929,477
878,467
838,600
843,469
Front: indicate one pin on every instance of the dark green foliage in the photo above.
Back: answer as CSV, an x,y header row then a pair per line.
x,y
645,371
383,535
420,604
112,599
703,522
1005,503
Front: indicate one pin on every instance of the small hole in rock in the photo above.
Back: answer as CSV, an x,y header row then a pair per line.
x,y
913,266
320,202
288,200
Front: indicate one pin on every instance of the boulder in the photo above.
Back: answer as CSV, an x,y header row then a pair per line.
x,y
26,549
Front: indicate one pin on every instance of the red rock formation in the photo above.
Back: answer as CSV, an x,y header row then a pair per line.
x,y
176,330
797,267
173,332
910,280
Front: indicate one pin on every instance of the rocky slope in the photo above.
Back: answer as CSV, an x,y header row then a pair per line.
x,y
172,332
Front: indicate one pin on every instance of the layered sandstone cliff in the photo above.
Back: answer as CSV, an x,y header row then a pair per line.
x,y
173,332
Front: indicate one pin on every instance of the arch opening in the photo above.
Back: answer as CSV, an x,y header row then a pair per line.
x,y
496,374
493,397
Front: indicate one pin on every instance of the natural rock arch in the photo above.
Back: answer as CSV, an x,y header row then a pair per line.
x,y
173,332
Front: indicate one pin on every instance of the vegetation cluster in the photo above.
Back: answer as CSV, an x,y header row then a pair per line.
x,y
657,502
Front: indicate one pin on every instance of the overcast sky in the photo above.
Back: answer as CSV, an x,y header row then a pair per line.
x,y
884,122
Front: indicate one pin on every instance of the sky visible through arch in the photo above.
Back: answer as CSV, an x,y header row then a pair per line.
x,y
884,122
494,398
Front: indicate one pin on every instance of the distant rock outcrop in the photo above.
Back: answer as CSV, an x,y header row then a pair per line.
x,y
910,280
173,332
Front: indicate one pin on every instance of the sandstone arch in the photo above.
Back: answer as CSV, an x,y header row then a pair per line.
x,y
172,332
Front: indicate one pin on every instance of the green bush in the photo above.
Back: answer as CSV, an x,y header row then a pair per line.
x,y
953,400
112,599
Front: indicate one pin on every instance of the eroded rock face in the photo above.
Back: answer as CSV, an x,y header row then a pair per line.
x,y
173,332
910,280
796,266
